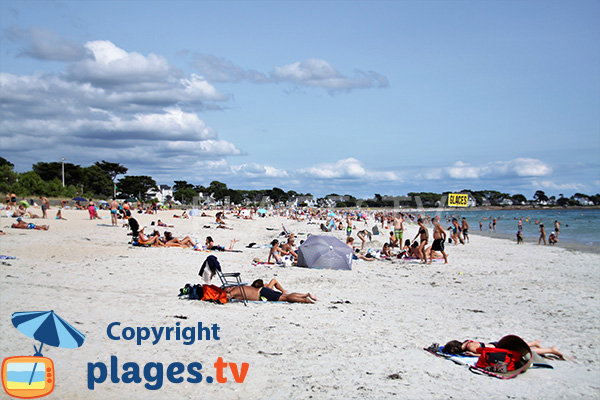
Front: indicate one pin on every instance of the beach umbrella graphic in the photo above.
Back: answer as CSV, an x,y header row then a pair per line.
x,y
79,199
48,328
261,211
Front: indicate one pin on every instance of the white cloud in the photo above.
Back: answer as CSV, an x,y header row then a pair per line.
x,y
350,168
204,148
255,170
113,65
45,44
320,73
557,186
312,72
518,167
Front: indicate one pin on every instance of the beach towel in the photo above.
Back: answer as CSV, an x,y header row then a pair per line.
x,y
529,359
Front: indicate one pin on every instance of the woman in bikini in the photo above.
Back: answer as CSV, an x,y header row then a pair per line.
x,y
424,234
469,348
210,245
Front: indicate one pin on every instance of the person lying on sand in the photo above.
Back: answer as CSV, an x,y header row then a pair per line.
x,y
258,293
20,224
160,223
171,241
469,348
210,245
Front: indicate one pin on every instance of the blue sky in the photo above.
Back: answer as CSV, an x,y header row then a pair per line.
x,y
351,97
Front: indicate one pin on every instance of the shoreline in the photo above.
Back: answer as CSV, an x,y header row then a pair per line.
x,y
567,245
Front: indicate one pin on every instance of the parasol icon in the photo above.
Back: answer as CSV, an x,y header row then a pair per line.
x,y
48,328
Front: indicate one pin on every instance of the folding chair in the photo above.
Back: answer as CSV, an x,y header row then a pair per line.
x,y
232,279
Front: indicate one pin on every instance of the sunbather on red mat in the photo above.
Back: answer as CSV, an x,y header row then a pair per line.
x,y
469,348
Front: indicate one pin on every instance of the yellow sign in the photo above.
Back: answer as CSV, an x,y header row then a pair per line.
x,y
458,200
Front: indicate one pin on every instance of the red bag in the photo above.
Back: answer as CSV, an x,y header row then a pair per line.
x,y
214,293
495,359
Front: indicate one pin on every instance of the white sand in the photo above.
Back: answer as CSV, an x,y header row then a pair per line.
x,y
369,323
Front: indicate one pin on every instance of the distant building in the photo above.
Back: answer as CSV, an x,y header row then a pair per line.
x,y
163,193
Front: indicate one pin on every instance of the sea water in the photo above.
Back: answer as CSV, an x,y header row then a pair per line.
x,y
577,226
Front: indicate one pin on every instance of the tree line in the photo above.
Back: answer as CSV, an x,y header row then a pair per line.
x,y
99,180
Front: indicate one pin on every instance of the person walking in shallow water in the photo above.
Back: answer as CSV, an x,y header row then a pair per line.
x,y
542,234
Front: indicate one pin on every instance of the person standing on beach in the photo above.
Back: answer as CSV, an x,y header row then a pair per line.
x,y
465,229
556,228
439,236
398,227
480,226
494,224
45,203
542,234
424,234
114,209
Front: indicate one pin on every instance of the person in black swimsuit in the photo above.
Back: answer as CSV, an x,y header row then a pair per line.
x,y
424,239
258,292
469,348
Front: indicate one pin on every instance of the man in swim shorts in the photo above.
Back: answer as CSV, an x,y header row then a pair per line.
x,y
254,293
45,203
20,224
398,228
439,236
114,209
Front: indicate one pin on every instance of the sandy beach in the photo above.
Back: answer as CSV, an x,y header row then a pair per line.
x,y
363,339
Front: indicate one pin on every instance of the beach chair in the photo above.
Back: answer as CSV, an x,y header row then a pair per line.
x,y
232,279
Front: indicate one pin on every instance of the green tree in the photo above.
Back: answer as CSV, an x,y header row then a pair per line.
x,y
48,171
185,195
135,185
540,196
8,177
97,180
519,199
30,183
4,161
112,169
217,189
182,185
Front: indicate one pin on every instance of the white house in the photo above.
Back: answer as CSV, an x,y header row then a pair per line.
x,y
163,193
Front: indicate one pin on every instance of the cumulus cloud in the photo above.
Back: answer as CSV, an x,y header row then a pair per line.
x,y
255,170
311,73
45,44
350,169
109,104
519,167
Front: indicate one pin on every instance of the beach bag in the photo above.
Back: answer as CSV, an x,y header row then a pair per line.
x,y
214,293
495,359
